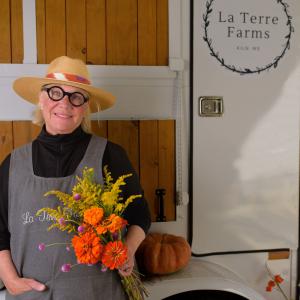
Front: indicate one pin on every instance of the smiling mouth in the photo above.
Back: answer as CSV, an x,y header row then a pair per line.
x,y
63,116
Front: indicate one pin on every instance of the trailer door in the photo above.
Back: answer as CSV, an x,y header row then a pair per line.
x,y
245,124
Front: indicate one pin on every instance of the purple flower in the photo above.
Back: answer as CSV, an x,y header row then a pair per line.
x,y
77,197
115,236
62,222
103,268
42,246
66,268
68,248
80,229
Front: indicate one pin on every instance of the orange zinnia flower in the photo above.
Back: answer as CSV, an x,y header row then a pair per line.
x,y
269,288
271,283
101,229
116,223
93,215
87,247
114,255
112,224
278,278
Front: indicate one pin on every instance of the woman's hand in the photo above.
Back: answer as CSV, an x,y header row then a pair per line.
x,y
19,286
14,284
127,268
133,239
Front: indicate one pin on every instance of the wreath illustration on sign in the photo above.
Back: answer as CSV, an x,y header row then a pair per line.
x,y
240,70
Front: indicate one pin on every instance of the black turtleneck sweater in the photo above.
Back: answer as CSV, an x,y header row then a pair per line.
x,y
59,156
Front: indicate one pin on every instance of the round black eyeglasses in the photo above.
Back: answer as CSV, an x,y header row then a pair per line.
x,y
56,93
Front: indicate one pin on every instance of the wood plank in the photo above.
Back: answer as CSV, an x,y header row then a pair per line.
x,y
278,255
121,32
99,128
76,29
6,139
5,41
41,31
55,29
96,32
166,176
147,32
126,134
149,163
24,132
17,50
162,33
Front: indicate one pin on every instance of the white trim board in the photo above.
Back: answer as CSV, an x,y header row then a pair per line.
x,y
141,92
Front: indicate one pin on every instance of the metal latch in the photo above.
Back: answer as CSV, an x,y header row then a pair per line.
x,y
211,106
160,193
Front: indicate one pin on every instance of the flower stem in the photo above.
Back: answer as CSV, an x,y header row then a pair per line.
x,y
72,221
103,239
281,290
55,244
277,283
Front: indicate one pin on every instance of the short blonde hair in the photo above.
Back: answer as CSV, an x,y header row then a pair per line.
x,y
38,119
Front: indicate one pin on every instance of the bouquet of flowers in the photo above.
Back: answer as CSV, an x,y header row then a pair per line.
x,y
275,283
93,212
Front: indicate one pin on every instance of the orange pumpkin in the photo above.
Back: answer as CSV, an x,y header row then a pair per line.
x,y
163,254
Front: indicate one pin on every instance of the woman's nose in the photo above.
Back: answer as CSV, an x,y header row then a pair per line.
x,y
65,101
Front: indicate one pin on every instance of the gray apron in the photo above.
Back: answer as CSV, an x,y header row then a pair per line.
x,y
27,231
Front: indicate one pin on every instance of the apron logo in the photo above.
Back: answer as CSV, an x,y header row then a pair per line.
x,y
29,218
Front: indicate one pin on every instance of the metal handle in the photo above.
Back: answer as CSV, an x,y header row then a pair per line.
x,y
160,196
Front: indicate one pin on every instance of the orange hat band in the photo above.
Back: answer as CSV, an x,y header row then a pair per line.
x,y
68,77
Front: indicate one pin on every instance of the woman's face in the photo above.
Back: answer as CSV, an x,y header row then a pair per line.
x,y
61,116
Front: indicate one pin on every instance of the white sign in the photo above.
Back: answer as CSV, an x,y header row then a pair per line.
x,y
247,36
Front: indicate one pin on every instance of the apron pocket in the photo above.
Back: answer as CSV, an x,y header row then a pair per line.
x,y
30,295
80,288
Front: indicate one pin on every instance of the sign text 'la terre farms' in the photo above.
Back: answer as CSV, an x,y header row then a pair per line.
x,y
247,36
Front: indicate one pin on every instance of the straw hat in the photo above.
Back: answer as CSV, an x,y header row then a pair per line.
x,y
67,71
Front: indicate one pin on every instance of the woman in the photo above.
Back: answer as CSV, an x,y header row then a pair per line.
x,y
65,98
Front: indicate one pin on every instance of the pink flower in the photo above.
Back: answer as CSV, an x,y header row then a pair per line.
x,y
103,268
66,268
62,222
80,229
68,248
42,246
115,236
77,197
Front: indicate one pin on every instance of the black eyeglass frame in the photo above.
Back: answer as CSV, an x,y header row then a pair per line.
x,y
64,93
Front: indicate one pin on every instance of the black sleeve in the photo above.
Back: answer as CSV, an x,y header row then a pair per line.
x,y
4,233
137,213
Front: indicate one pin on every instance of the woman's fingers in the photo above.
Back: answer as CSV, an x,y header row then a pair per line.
x,y
127,268
22,285
35,285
